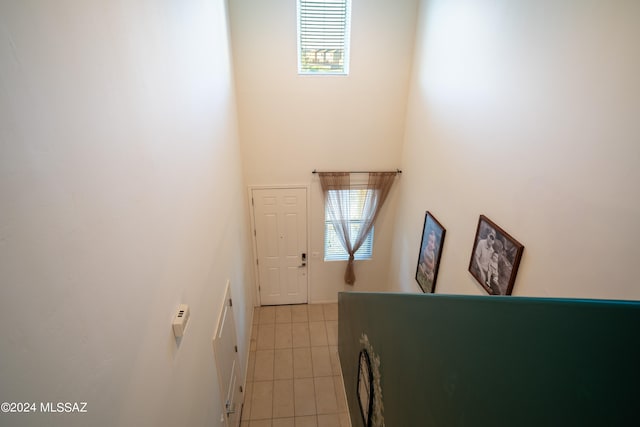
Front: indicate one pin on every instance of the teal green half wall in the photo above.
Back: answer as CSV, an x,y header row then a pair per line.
x,y
495,361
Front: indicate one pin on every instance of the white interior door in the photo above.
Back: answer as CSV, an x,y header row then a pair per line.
x,y
281,244
226,354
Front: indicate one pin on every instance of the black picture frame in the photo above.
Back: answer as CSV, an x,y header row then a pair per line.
x,y
495,258
430,253
364,386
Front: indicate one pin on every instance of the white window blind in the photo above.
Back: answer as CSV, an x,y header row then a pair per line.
x,y
323,36
333,249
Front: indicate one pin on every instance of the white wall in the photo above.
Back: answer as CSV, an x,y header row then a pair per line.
x,y
526,112
291,124
121,197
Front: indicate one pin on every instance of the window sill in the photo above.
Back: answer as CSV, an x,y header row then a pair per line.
x,y
301,73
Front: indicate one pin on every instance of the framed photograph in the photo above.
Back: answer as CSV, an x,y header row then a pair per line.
x,y
430,251
495,258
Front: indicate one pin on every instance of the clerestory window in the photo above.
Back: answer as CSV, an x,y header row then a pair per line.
x,y
323,36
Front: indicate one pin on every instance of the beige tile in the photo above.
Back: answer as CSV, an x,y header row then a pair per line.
x,y
267,315
325,395
302,364
266,336
256,315
300,335
317,334
253,342
308,421
248,392
330,311
332,331
321,361
251,367
264,365
283,335
283,364
283,314
335,360
248,396
328,420
283,398
262,400
299,313
304,395
295,368
341,398
316,313
284,422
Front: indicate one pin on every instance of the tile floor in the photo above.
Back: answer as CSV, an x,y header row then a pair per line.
x,y
293,379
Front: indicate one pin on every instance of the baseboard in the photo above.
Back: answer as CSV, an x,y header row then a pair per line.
x,y
323,302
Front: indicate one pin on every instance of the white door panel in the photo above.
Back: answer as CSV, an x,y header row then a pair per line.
x,y
226,354
280,217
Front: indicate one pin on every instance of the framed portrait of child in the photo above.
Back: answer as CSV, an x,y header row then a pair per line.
x,y
430,250
495,258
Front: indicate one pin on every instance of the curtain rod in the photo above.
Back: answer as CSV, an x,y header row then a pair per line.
x,y
396,171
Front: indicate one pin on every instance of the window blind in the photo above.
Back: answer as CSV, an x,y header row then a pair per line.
x,y
323,36
333,249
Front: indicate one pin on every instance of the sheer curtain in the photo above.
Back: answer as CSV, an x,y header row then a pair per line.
x,y
337,202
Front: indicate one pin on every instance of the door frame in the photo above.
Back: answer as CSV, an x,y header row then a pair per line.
x,y
256,272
